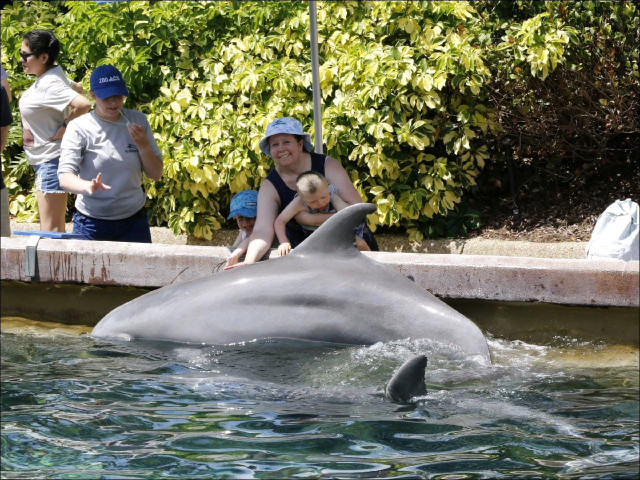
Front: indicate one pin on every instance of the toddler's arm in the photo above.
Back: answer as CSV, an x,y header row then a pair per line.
x,y
316,219
338,202
287,214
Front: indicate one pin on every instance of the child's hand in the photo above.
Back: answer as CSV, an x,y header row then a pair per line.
x,y
284,248
232,259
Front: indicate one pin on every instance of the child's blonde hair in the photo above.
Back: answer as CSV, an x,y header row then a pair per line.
x,y
309,182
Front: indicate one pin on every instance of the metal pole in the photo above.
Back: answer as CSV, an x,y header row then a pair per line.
x,y
315,77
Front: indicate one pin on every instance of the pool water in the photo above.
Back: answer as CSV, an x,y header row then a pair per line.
x,y
76,407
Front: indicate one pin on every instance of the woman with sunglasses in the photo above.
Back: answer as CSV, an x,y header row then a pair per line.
x,y
46,108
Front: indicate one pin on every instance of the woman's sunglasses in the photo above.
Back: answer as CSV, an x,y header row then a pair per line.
x,y
26,55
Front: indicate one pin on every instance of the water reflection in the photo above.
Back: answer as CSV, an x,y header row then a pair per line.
x,y
76,407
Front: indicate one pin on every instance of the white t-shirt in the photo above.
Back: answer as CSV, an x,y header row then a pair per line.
x,y
43,107
91,146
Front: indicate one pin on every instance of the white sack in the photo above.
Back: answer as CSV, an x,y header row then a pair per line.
x,y
615,234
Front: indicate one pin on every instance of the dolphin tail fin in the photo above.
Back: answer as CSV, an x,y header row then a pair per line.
x,y
408,381
338,233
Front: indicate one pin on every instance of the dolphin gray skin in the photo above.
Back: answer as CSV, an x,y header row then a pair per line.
x,y
324,290
408,381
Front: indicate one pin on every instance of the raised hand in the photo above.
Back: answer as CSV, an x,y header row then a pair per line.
x,y
138,134
96,184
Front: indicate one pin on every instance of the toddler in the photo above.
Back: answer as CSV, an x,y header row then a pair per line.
x,y
315,195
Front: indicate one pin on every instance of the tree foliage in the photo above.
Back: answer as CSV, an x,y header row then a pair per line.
x,y
578,112
415,94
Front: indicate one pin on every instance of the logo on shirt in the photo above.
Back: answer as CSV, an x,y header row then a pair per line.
x,y
130,148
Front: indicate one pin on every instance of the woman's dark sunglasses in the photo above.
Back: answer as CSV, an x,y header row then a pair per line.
x,y
26,55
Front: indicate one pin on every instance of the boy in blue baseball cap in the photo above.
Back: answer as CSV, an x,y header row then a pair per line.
x,y
244,208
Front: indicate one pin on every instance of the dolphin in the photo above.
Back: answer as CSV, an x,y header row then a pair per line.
x,y
408,381
324,290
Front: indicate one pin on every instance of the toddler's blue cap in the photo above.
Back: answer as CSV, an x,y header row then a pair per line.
x,y
106,81
244,203
284,125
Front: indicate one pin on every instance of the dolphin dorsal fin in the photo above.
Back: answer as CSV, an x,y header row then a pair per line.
x,y
337,235
408,381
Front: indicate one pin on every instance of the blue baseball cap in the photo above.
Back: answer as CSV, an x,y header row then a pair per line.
x,y
284,125
106,81
244,203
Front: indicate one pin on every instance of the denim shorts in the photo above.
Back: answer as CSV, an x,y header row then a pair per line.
x,y
47,177
132,229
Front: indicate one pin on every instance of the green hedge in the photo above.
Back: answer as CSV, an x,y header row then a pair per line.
x,y
405,87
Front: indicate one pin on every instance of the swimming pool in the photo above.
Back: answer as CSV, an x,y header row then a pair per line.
x,y
74,407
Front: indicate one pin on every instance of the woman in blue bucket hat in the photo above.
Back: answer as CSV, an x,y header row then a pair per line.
x,y
292,153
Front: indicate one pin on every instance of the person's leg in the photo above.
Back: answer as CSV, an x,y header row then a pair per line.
x,y
83,226
95,229
132,229
52,208
4,214
365,234
135,229
362,245
52,199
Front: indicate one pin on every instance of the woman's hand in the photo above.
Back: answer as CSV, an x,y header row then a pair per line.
x,y
80,105
151,164
96,184
138,135
59,134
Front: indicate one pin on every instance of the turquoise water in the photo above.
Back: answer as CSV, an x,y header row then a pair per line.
x,y
75,407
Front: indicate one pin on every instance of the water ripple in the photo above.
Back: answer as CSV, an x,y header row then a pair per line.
x,y
76,408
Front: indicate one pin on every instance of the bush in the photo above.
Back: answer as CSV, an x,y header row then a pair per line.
x,y
566,85
410,92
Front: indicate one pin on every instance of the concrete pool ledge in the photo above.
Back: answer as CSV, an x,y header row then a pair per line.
x,y
486,277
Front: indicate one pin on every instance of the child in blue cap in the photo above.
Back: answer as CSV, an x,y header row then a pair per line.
x,y
244,208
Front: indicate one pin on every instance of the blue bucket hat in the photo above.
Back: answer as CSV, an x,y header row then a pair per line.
x,y
106,81
244,203
284,125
